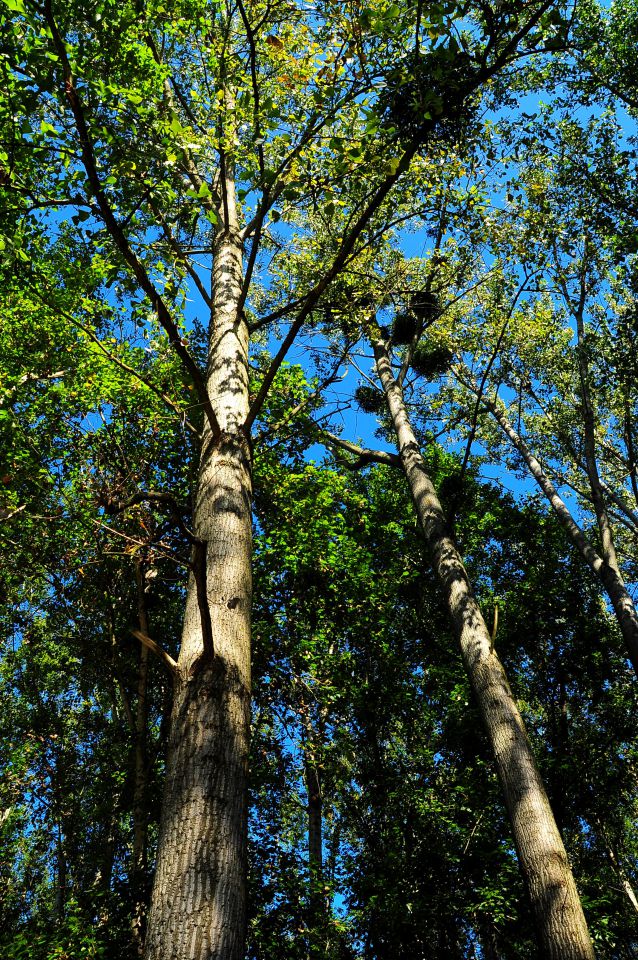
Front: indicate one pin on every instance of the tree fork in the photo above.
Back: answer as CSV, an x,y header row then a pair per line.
x,y
198,907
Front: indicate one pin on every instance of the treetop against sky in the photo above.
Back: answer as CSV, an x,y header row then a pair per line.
x,y
280,283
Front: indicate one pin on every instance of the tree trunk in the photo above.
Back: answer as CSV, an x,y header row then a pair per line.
x,y
618,594
489,950
314,810
198,906
608,574
140,787
60,885
560,923
315,816
617,865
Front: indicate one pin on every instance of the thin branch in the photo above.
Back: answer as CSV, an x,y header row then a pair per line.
x,y
275,315
116,360
250,35
160,548
176,509
486,373
365,455
181,254
34,378
576,533
115,228
155,648
326,382
7,515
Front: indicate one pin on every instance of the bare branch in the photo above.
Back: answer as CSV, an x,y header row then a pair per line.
x,y
365,455
155,648
8,514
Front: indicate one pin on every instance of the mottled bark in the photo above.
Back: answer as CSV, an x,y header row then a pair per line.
x,y
560,923
198,907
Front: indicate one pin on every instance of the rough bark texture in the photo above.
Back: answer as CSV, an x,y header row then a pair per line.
x,y
560,923
198,908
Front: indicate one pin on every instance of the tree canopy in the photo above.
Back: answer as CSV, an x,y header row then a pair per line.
x,y
318,479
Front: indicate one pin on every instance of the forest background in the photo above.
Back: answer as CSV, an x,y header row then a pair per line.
x,y
319,484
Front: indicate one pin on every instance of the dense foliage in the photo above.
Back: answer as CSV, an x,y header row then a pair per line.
x,y
453,185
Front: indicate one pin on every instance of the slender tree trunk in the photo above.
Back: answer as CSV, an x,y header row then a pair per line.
x,y
140,787
60,886
609,574
315,818
617,865
198,906
314,809
560,923
631,452
489,949
589,445
560,725
624,879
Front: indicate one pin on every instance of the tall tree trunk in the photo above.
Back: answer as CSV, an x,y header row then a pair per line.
x,y
560,923
617,865
140,787
608,573
198,906
489,950
60,884
314,809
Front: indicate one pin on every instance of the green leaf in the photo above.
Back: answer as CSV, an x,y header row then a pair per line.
x,y
46,127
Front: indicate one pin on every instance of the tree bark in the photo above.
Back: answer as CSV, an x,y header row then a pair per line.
x,y
609,574
314,810
617,865
198,906
560,922
61,879
140,787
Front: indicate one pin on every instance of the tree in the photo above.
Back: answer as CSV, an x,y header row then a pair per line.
x,y
562,930
233,111
573,402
